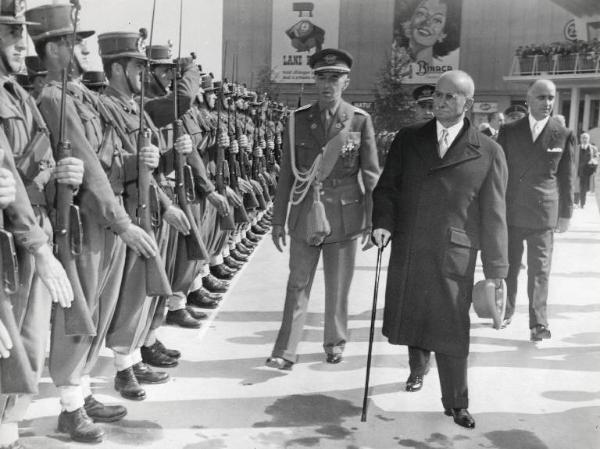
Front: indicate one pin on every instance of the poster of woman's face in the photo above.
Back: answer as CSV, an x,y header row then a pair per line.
x,y
426,38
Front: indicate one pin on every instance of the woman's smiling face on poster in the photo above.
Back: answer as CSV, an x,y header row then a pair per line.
x,y
428,22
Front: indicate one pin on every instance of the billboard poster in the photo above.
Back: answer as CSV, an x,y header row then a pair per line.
x,y
299,30
426,39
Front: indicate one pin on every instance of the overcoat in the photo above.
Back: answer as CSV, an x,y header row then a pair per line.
x,y
347,199
440,212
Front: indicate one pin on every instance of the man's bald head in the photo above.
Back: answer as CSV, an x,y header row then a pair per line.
x,y
540,98
541,84
462,80
453,97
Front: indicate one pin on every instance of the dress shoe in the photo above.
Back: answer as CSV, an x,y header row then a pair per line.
x,y
214,296
182,318
79,426
243,249
248,243
461,416
505,323
221,272
152,355
252,236
173,353
197,299
257,229
127,384
238,256
99,412
196,314
232,263
334,358
212,284
265,223
414,383
540,332
145,375
279,363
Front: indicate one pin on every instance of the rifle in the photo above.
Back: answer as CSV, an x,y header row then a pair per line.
x,y
68,233
148,217
184,179
226,221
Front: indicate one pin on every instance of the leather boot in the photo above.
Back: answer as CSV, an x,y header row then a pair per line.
x,y
173,353
221,272
151,355
258,229
146,375
182,318
198,299
79,426
196,314
99,412
252,236
232,263
248,243
238,256
127,384
242,249
212,284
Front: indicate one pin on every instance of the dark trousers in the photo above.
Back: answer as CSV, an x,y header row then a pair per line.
x,y
584,187
539,259
452,372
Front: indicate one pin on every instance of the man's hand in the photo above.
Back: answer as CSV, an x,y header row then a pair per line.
x,y
366,241
150,156
69,171
243,141
245,186
8,188
5,342
224,140
183,145
381,237
139,241
563,225
278,236
176,218
234,147
235,199
219,202
53,275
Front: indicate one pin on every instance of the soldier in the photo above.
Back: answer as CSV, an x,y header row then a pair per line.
x,y
94,80
423,96
37,74
346,134
42,278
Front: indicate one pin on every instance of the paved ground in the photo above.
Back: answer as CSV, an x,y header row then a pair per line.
x,y
523,395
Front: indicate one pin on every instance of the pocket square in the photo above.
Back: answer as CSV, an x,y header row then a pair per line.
x,y
554,150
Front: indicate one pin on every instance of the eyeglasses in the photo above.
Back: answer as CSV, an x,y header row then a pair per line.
x,y
448,97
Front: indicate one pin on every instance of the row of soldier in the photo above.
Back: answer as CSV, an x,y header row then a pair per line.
x,y
168,204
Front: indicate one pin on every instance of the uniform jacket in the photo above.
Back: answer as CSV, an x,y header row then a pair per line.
x,y
540,173
440,212
347,200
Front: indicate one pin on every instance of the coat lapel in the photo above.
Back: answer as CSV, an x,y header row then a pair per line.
x,y
426,143
315,125
537,149
464,148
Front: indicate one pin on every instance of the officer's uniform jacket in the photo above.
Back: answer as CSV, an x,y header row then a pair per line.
x,y
347,200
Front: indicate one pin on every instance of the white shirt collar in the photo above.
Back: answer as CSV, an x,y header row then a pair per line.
x,y
533,121
453,131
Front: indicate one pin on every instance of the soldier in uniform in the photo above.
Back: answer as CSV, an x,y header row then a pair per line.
x,y
37,74
423,96
346,133
94,80
42,278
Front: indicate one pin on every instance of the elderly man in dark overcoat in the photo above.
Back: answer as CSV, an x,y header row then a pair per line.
x,y
440,199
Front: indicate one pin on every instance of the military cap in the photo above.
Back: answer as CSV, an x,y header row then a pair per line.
x,y
217,86
24,80
423,93
12,12
94,78
52,21
331,60
120,44
206,83
518,108
35,66
159,55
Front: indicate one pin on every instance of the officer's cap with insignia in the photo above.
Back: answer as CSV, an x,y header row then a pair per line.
x,y
423,93
53,21
159,55
35,66
12,12
94,78
331,60
206,83
120,44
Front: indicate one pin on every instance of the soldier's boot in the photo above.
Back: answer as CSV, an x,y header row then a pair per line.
x,y
182,318
173,353
212,284
237,255
99,412
79,426
221,272
198,299
127,384
146,375
243,249
252,236
196,314
152,355
232,263
248,243
258,229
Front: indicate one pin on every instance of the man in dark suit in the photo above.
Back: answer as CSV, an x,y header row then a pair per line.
x,y
540,154
343,136
440,199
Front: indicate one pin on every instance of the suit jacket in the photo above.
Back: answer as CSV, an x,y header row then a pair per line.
x,y
540,174
586,155
440,212
347,199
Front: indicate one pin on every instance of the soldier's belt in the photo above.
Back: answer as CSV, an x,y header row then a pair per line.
x,y
336,182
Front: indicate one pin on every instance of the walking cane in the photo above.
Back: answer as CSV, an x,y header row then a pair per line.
x,y
363,417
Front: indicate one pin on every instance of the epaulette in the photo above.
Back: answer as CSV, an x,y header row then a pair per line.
x,y
360,111
303,108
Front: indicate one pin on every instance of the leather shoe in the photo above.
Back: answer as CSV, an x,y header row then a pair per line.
x,y
505,323
279,363
221,272
197,299
414,383
334,358
265,222
232,263
248,243
127,384
252,236
182,318
243,249
99,412
212,284
540,332
461,416
79,426
173,353
196,314
151,355
237,255
257,229
214,296
146,375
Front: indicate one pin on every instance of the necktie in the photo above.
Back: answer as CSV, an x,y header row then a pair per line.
x,y
536,130
326,119
443,143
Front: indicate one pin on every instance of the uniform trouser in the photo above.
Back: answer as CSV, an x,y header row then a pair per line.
x,y
338,266
32,308
539,259
452,372
216,238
